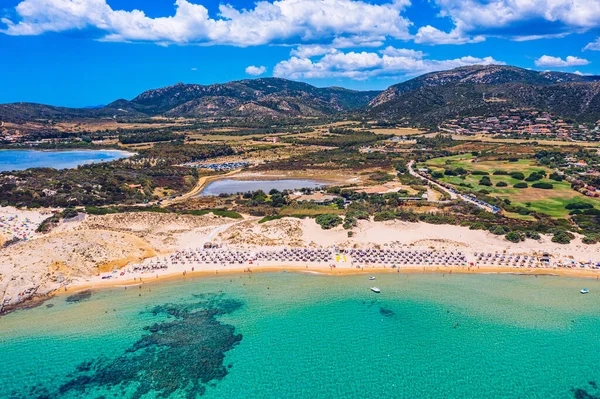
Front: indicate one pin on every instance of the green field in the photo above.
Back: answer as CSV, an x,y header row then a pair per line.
x,y
551,202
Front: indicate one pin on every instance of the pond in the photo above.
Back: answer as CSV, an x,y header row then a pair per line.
x,y
232,186
11,160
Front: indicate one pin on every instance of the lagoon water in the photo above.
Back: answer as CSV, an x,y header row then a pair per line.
x,y
24,159
232,186
285,335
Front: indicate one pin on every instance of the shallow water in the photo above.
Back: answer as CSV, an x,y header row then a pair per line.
x,y
24,159
293,335
232,186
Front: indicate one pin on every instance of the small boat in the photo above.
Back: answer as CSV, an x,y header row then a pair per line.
x,y
371,278
375,290
584,291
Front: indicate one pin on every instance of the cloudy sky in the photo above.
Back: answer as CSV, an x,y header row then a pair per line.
x,y
89,52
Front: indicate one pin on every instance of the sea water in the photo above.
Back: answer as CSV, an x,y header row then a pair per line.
x,y
24,159
287,335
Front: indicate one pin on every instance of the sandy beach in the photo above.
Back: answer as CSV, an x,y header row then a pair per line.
x,y
103,251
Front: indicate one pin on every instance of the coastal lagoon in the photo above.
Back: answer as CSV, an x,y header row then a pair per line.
x,y
24,159
289,335
232,186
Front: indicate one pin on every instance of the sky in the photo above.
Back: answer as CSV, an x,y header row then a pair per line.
x,y
79,53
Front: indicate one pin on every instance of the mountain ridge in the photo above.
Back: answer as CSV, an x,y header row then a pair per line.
x,y
427,99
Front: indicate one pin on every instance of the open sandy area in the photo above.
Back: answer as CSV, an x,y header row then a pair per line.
x,y
78,254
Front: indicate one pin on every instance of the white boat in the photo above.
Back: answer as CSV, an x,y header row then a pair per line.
x,y
375,290
584,291
371,278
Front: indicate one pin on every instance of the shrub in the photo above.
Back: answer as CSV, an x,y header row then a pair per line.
x,y
500,173
328,221
479,173
534,176
543,186
589,240
69,213
437,175
500,230
483,191
514,236
556,177
579,205
383,216
517,175
478,226
562,237
521,185
534,235
501,184
485,181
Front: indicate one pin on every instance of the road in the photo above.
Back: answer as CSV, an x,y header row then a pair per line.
x,y
433,182
453,195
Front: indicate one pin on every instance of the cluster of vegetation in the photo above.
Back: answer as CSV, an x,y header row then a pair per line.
x,y
344,140
129,138
125,181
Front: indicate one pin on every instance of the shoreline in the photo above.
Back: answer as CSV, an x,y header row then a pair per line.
x,y
324,271
97,284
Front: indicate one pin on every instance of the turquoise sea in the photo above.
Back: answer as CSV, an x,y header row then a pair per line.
x,y
24,159
286,335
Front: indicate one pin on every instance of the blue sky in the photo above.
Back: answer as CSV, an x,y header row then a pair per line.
x,y
90,52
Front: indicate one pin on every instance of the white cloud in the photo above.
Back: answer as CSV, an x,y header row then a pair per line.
x,y
255,71
430,35
549,61
311,50
475,19
365,65
193,69
402,52
280,21
594,46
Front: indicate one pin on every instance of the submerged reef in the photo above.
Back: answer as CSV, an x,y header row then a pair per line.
x,y
79,296
181,354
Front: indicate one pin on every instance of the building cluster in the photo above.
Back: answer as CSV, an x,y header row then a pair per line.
x,y
523,122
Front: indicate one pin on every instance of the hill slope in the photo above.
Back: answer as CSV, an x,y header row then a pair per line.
x,y
271,97
480,90
255,98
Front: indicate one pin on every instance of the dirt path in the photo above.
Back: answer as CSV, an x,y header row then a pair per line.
x,y
200,185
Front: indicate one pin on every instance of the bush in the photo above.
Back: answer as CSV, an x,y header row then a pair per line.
x,y
534,176
590,240
517,175
562,237
514,236
500,173
501,184
479,173
579,205
437,175
485,181
521,185
328,221
478,226
556,177
383,216
543,186
534,235
500,230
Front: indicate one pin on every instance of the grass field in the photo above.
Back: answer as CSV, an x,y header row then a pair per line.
x,y
551,202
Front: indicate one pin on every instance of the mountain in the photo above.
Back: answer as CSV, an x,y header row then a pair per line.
x,y
253,98
270,97
481,90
